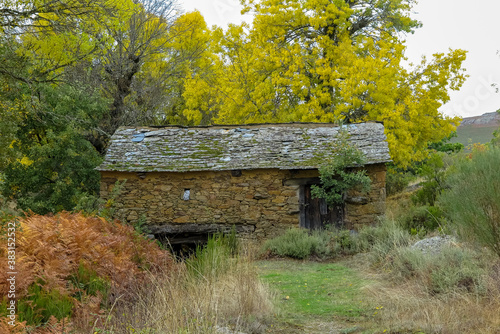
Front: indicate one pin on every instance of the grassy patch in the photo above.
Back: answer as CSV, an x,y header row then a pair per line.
x,y
309,291
468,135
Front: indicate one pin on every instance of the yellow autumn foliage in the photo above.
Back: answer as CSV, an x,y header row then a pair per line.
x,y
328,61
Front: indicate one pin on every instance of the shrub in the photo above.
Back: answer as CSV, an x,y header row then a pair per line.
x,y
473,201
344,242
337,175
299,244
94,205
422,219
397,180
379,240
382,239
434,172
451,270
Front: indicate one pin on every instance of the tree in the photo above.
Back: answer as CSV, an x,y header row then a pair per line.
x,y
158,92
51,34
56,164
334,60
99,42
142,37
237,89
71,72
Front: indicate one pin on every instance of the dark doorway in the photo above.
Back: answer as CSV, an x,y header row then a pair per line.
x,y
315,214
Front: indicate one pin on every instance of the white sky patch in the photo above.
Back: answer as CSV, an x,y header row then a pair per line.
x,y
456,24
217,12
474,27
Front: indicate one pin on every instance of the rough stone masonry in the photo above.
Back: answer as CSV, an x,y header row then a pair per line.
x,y
250,176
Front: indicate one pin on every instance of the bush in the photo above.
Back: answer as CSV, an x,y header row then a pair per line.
x,y
95,206
434,172
473,201
379,240
422,219
397,181
299,244
382,239
337,175
344,242
453,269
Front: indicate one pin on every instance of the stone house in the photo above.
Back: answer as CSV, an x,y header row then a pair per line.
x,y
191,181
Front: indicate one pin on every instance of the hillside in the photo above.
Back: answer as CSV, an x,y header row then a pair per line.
x,y
477,129
485,120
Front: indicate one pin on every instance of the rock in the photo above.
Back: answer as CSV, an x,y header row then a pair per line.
x,y
260,196
357,200
433,245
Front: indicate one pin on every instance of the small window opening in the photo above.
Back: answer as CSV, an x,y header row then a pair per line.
x,y
187,193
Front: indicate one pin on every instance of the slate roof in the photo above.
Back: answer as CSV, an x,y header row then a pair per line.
x,y
216,148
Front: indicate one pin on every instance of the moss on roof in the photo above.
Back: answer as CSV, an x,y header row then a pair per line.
x,y
282,146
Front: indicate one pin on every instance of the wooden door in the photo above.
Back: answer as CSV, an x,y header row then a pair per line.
x,y
315,214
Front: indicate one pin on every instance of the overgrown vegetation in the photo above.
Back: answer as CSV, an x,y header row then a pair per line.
x,y
79,273
75,71
70,266
331,243
213,290
299,244
337,175
451,288
473,201
405,284
397,180
94,205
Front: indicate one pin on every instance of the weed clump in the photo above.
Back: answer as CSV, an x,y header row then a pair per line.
x,y
299,244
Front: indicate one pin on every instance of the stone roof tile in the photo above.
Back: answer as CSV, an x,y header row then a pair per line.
x,y
215,148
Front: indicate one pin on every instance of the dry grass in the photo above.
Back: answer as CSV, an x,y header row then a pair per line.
x,y
407,304
183,302
409,308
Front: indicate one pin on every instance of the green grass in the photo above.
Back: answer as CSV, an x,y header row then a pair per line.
x,y
469,135
309,291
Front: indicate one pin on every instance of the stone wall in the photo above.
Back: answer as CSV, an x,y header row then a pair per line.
x,y
259,199
363,209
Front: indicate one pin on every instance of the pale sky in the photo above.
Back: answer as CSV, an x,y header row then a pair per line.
x,y
456,24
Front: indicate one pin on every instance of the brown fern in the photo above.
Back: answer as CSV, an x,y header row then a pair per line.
x,y
50,249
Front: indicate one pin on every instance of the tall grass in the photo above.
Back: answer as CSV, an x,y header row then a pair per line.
x,y
455,290
212,289
472,201
408,308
